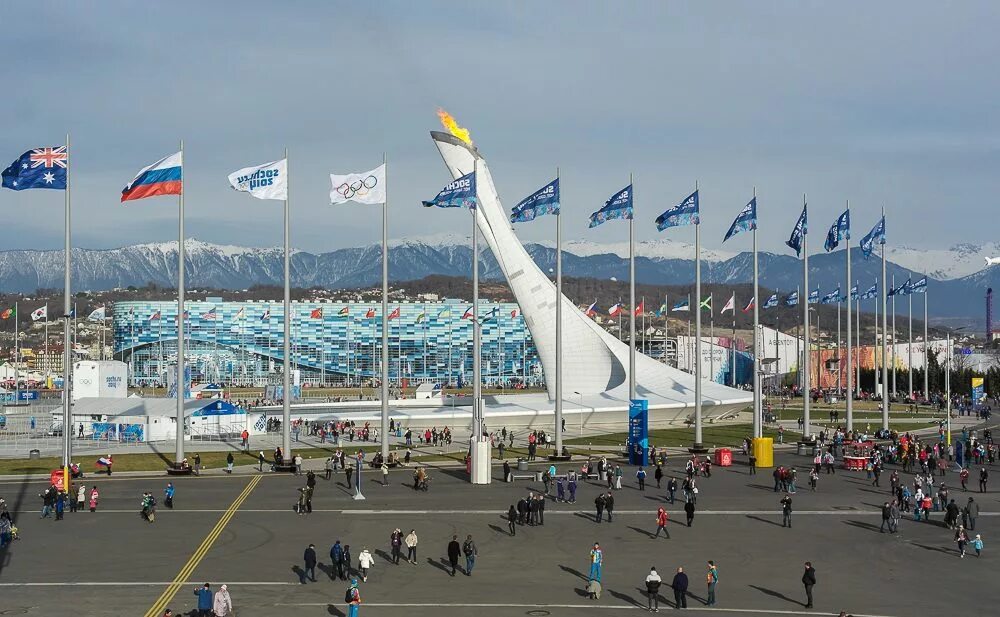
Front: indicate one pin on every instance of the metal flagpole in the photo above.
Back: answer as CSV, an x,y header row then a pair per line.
x,y
926,357
697,332
666,326
385,321
559,345
286,371
67,363
631,301
805,328
798,349
885,350
17,351
180,386
876,343
909,345
894,334
857,340
757,424
850,346
711,343
840,370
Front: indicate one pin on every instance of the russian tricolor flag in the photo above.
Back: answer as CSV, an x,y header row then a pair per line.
x,y
161,178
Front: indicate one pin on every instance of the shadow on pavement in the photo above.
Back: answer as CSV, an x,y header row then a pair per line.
x,y
764,520
863,525
642,531
575,573
626,598
776,594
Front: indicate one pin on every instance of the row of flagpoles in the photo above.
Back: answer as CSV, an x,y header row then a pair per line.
x,y
49,168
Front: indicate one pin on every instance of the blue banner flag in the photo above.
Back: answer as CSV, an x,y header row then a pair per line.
x,y
795,240
792,299
870,293
831,298
684,213
906,288
772,301
813,296
683,305
877,234
39,168
745,220
543,201
854,292
618,206
458,193
841,230
920,286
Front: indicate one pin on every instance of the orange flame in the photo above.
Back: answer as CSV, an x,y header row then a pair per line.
x,y
449,123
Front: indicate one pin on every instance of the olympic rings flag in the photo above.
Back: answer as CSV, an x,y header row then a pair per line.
x,y
267,181
364,188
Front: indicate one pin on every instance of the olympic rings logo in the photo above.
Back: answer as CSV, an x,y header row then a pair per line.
x,y
358,188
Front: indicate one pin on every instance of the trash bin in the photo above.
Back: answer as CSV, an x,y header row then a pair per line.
x,y
34,454
800,449
538,476
723,457
522,464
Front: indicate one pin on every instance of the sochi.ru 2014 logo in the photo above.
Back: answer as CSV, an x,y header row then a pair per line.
x,y
358,188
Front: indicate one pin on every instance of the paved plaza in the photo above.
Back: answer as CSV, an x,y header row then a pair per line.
x,y
241,530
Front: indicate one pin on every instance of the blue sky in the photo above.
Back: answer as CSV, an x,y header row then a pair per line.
x,y
878,103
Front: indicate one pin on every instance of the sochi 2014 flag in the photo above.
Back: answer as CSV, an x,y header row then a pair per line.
x,y
267,181
458,193
684,213
840,230
543,201
876,235
367,187
831,298
618,206
746,220
798,232
164,177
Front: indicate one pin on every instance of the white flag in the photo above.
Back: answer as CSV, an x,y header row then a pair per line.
x,y
730,306
267,181
365,188
40,313
98,314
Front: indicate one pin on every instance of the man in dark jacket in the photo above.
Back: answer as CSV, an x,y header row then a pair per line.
x,y
808,580
886,517
309,559
337,560
680,585
609,504
522,510
970,513
454,550
396,542
653,583
599,504
689,511
786,511
541,510
204,594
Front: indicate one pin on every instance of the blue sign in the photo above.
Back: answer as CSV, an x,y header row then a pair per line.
x,y
638,431
22,395
458,193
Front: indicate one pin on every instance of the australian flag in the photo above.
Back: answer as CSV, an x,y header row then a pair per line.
x,y
40,168
458,193
792,299
684,213
543,201
841,230
745,220
773,301
618,206
876,234
798,233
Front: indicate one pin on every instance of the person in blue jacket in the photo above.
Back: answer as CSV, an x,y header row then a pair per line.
x,y
204,594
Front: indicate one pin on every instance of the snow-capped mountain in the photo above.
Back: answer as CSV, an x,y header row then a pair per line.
x,y
661,262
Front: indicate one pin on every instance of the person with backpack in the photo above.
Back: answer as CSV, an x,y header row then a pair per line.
x,y
653,582
641,477
711,579
337,560
353,599
471,552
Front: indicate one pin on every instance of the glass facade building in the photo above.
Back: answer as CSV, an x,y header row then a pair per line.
x,y
335,343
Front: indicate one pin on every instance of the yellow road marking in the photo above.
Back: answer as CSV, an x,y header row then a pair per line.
x,y
168,594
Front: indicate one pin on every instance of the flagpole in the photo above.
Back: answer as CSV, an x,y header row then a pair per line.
x,y
857,340
805,328
559,345
850,350
67,362
666,326
757,424
711,344
926,360
894,334
697,446
180,385
909,344
17,355
840,370
885,350
286,371
877,342
631,301
798,348
385,322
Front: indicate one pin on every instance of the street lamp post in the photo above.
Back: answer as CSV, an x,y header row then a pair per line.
x,y
950,354
581,411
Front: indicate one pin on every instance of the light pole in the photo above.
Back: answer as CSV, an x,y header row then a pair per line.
x,y
950,354
581,411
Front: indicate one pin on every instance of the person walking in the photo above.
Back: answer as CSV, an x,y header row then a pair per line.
x,y
672,489
961,539
347,559
661,523
653,583
94,497
260,461
886,518
309,561
753,463
197,464
396,544
680,585
786,511
808,580
230,459
204,594
168,495
365,562
641,477
984,476
81,498
711,580
599,504
353,599
658,474
970,513
337,561
454,550
512,520
596,563
222,606
471,552
411,546
689,512
349,471
977,544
